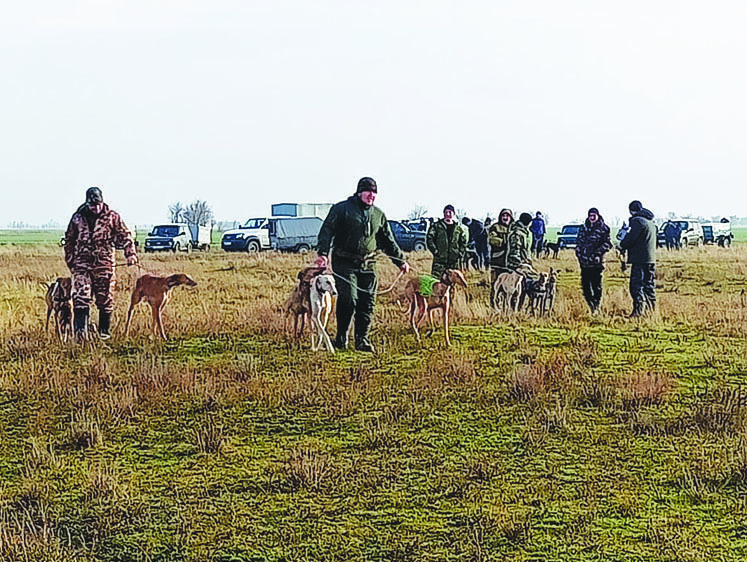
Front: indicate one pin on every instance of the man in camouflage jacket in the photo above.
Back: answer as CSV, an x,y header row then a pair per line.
x,y
447,241
353,231
517,252
91,238
593,243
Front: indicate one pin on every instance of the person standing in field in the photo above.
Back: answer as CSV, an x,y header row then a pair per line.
x,y
640,245
538,234
353,232
93,234
593,243
447,241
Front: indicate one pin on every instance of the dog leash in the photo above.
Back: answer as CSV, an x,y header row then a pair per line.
x,y
355,285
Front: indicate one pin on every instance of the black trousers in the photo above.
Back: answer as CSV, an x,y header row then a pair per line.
x,y
591,284
643,287
356,296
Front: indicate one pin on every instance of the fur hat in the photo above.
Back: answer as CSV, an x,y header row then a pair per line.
x,y
367,184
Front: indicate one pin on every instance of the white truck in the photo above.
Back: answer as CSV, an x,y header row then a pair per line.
x,y
291,234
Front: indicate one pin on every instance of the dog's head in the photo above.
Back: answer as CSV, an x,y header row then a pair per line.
x,y
61,290
325,284
453,277
180,279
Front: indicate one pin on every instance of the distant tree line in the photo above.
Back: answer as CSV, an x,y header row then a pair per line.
x,y
197,212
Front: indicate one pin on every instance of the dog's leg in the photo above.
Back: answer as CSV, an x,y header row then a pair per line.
x,y
446,311
159,320
136,297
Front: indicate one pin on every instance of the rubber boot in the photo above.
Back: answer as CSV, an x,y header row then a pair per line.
x,y
80,324
105,321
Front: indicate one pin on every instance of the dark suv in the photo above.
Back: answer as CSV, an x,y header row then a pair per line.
x,y
408,239
568,236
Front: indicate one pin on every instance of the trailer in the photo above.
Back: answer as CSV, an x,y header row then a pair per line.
x,y
295,234
301,209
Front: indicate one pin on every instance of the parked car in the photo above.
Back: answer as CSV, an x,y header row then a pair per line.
x,y
178,237
299,234
408,239
568,236
691,233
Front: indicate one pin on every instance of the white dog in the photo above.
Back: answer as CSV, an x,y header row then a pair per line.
x,y
322,290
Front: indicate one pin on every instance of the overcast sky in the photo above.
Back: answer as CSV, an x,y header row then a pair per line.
x,y
534,105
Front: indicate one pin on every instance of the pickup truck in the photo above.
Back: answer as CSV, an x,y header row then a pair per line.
x,y
298,234
178,237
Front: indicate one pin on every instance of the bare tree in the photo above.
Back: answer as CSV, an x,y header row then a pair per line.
x,y
176,212
198,212
418,212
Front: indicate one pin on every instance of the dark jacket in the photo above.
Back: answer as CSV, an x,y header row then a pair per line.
x,y
446,250
90,240
593,242
354,232
640,241
538,228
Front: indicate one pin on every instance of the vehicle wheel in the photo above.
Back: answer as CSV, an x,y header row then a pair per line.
x,y
252,247
302,248
419,247
177,248
727,241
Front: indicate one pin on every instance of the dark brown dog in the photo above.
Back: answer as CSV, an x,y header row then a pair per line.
x,y
156,292
59,300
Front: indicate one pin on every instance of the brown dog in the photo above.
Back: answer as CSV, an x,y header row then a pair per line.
x,y
59,300
156,291
442,294
298,304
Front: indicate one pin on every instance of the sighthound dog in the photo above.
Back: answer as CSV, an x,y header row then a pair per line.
x,y
550,288
507,291
59,300
322,290
298,304
553,247
441,298
156,292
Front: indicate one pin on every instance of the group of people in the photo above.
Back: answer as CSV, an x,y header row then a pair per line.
x,y
352,234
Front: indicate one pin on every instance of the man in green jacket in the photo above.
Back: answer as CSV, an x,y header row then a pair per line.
x,y
447,241
517,252
640,244
353,231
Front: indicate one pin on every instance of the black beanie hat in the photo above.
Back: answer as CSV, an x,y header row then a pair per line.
x,y
449,208
525,219
593,210
367,184
94,196
635,206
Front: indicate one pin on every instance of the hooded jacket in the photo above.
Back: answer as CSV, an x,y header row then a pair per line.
x,y
640,241
593,242
90,240
518,246
498,238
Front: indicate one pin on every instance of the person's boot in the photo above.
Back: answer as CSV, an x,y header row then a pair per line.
x,y
80,324
340,342
105,322
363,345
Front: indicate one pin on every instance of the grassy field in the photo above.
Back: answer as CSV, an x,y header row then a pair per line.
x,y
564,438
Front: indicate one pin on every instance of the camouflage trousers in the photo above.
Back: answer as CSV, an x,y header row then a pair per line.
x,y
96,281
